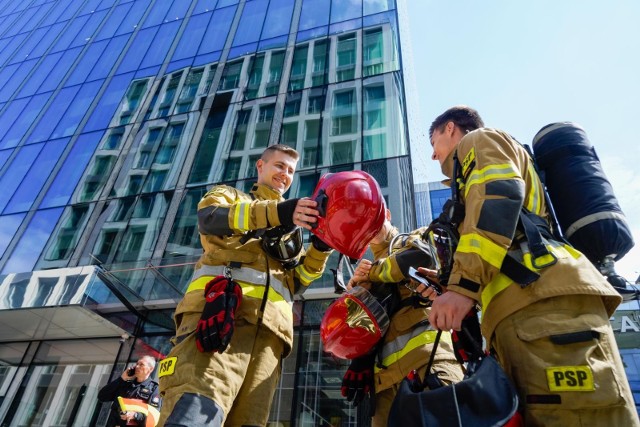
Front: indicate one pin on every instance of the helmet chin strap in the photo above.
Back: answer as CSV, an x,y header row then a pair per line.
x,y
338,275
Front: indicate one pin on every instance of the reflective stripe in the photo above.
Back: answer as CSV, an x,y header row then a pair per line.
x,y
487,249
497,285
586,220
241,216
490,173
305,276
406,343
533,200
252,282
385,273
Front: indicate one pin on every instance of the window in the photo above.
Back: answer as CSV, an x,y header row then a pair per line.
x,y
232,169
342,152
255,77
251,171
266,113
230,76
292,108
298,68
114,139
148,148
319,72
374,107
343,120
372,52
315,104
241,130
375,146
132,100
169,94
275,72
189,90
155,180
169,144
346,58
289,135
263,127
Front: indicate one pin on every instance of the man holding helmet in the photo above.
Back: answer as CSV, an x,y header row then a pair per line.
x,y
235,322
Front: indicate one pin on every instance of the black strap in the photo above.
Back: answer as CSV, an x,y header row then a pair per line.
x,y
432,357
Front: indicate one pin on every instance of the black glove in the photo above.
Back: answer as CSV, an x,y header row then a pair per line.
x,y
286,210
319,244
215,326
358,380
467,342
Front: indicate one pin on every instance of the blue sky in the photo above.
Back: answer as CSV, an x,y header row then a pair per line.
x,y
523,65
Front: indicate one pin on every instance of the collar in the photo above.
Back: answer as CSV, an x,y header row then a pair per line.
x,y
264,192
447,165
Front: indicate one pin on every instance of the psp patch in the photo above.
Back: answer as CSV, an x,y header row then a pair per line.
x,y
570,378
167,366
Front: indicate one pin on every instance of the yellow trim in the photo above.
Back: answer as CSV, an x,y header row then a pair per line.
x,y
489,173
385,274
305,276
248,289
486,249
426,337
533,201
498,284
241,216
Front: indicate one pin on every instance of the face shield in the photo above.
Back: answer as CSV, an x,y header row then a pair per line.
x,y
443,240
283,244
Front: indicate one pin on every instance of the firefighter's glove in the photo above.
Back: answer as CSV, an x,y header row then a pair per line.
x,y
358,380
286,210
467,342
215,327
319,244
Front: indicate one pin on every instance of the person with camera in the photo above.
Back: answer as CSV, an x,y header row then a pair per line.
x,y
134,383
235,323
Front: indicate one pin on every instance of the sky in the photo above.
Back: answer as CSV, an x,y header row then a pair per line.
x,y
525,64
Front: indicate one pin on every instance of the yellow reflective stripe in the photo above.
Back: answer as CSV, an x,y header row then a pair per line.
x,y
487,249
497,285
424,338
305,276
385,273
241,216
533,200
489,173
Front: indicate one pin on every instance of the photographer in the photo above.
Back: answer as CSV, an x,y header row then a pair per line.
x,y
134,383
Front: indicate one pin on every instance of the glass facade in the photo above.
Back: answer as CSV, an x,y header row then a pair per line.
x,y
116,116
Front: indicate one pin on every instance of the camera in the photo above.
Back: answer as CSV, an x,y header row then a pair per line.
x,y
131,371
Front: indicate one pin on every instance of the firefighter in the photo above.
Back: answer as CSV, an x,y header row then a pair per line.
x,y
547,323
235,322
407,344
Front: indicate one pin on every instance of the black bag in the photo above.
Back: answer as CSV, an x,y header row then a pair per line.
x,y
485,397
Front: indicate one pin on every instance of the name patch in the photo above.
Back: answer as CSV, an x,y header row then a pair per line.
x,y
570,378
167,366
468,160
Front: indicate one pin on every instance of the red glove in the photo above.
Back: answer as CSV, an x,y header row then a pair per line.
x,y
215,326
358,380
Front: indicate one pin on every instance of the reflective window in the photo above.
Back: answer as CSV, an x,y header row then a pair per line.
x,y
292,105
74,165
230,75
26,253
380,44
278,19
36,177
343,10
161,43
109,101
108,58
372,52
70,33
204,6
4,155
8,120
320,65
57,73
232,169
184,238
343,116
16,79
169,94
107,233
19,167
263,126
39,75
255,76
375,6
251,22
157,14
97,175
192,36
8,226
56,13
299,67
217,31
137,50
346,58
315,13
109,28
131,20
12,45
189,90
51,34
64,238
131,101
77,109
32,41
86,31
275,73
238,142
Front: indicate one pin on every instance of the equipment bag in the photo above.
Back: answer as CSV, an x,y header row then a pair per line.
x,y
586,208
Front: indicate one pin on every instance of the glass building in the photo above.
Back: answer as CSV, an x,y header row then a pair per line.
x,y
116,116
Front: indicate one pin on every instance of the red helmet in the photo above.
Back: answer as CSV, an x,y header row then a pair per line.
x,y
353,324
352,211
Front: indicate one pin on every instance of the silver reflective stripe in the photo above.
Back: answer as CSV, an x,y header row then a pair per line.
x,y
586,220
401,342
245,274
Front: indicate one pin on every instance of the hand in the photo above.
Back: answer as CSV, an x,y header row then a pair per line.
x,y
125,375
305,213
358,380
215,327
360,274
127,416
448,310
428,292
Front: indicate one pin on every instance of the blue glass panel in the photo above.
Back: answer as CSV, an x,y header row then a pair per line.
x,y
113,22
8,226
108,58
70,10
7,21
278,19
32,41
342,10
235,52
50,118
178,10
218,30
106,4
69,175
204,6
4,155
273,43
87,31
86,64
311,34
381,18
56,74
371,7
16,171
55,13
41,12
52,33
176,65
341,27
9,116
132,19
30,246
24,121
224,3
36,177
137,50
103,113
11,47
192,36
147,72
12,85
23,20
161,44
251,23
76,111
315,13
7,73
70,33
157,14
90,6
206,59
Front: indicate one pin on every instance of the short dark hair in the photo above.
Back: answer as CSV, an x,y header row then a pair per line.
x,y
279,147
466,118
